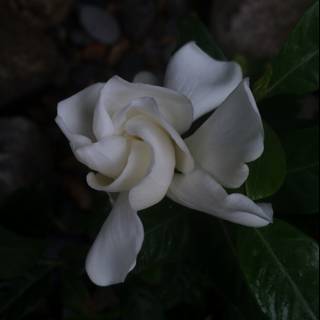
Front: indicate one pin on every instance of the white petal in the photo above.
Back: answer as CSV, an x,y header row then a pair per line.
x,y
153,188
149,107
107,156
75,114
117,246
102,123
136,169
199,191
205,81
175,108
230,138
76,140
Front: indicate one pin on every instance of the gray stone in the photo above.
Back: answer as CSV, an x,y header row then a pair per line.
x,y
256,28
28,58
99,24
138,18
41,13
24,156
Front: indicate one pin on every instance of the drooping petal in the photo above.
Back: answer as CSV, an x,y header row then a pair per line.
x,y
75,115
205,81
117,246
153,188
199,191
107,156
149,107
136,169
230,138
175,108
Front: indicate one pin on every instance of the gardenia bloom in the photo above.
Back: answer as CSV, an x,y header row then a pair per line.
x,y
130,136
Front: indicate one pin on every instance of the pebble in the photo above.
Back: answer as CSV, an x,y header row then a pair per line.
x,y
146,77
99,24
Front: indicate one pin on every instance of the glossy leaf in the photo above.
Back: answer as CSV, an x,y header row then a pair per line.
x,y
281,266
296,69
18,253
300,193
166,234
213,252
21,296
143,305
267,174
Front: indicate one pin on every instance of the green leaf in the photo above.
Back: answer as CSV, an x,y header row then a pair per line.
x,y
281,266
22,295
267,174
20,253
214,249
142,305
296,69
192,29
166,234
300,193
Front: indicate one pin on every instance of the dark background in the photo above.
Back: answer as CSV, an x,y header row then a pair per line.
x,y
51,49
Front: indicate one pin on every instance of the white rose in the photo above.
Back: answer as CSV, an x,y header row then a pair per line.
x,y
129,135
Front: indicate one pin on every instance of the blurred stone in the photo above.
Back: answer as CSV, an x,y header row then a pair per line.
x,y
24,155
257,28
146,77
28,58
41,13
138,17
118,51
80,38
130,65
178,7
99,24
89,73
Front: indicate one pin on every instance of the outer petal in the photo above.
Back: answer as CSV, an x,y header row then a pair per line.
x,y
115,250
75,115
199,191
153,188
231,137
205,81
175,108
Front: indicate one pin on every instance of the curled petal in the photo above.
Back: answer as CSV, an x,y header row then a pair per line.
x,y
175,108
155,185
199,191
107,156
117,246
136,169
205,81
230,138
149,108
75,115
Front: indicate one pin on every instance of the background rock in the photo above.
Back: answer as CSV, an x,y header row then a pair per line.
x,y
28,57
256,28
99,24
138,17
24,155
41,13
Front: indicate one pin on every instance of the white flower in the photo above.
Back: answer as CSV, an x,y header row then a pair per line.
x,y
129,135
